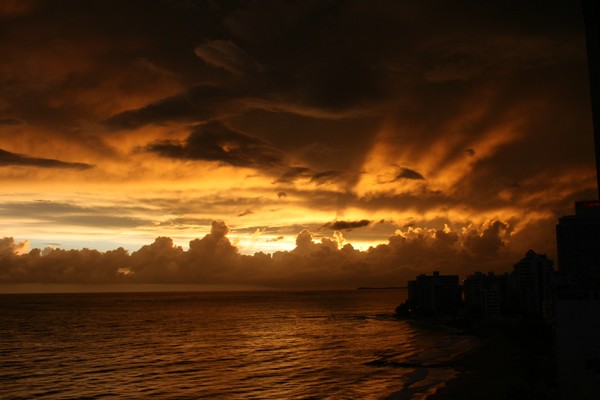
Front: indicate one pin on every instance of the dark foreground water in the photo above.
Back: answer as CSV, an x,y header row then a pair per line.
x,y
252,345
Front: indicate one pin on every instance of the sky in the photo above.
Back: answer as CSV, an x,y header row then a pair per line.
x,y
286,144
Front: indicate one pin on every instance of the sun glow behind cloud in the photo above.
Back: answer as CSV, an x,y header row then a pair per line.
x,y
467,135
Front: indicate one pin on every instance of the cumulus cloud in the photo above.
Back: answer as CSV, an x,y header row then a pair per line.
x,y
157,262
13,159
8,246
487,240
218,229
59,266
329,262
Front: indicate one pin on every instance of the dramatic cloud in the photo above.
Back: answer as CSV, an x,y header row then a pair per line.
x,y
216,142
343,225
198,103
12,159
406,173
465,127
8,246
324,177
331,262
293,173
489,240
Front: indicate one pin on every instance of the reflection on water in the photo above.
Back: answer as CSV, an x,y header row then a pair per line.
x,y
262,345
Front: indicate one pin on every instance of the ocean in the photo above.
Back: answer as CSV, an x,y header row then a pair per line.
x,y
219,345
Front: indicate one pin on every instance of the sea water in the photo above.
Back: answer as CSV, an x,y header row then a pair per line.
x,y
229,345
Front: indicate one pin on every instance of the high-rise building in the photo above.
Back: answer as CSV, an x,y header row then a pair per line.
x,y
577,302
487,296
534,278
434,293
578,245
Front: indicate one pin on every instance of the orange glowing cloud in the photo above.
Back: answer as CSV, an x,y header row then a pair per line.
x,y
466,138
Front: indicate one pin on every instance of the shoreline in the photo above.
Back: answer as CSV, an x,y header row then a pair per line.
x,y
431,376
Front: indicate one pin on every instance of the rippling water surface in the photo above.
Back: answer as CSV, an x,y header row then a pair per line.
x,y
244,345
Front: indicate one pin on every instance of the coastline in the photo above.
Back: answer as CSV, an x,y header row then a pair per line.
x,y
433,372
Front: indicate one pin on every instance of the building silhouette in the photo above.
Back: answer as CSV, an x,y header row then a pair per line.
x,y
577,302
570,299
577,299
534,276
487,297
526,291
578,245
434,294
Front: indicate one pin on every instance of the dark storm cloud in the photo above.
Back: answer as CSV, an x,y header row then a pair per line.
x,y
489,241
322,83
346,225
323,144
277,66
324,177
406,173
271,75
216,142
320,178
305,49
13,159
198,103
294,173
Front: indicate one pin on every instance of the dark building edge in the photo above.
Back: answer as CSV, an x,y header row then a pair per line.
x,y
592,32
